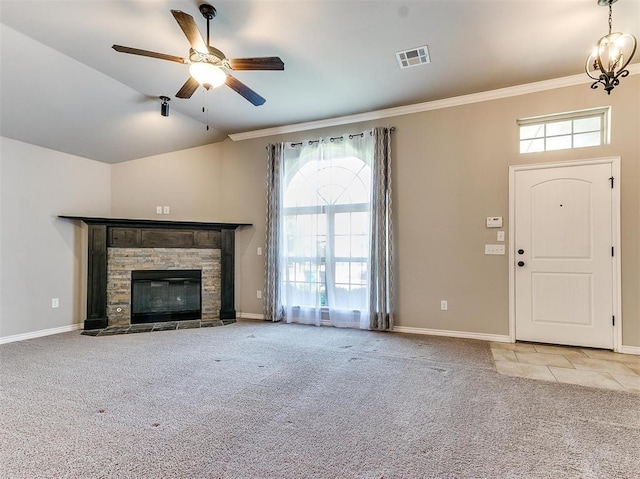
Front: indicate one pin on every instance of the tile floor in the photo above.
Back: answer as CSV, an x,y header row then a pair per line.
x,y
567,364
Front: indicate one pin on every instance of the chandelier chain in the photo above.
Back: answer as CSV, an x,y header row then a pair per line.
x,y
610,14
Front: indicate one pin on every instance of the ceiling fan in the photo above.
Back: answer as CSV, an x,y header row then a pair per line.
x,y
208,66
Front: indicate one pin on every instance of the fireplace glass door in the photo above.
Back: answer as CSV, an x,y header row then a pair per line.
x,y
165,295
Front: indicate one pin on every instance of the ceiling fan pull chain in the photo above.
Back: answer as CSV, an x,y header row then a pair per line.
x,y
205,108
207,122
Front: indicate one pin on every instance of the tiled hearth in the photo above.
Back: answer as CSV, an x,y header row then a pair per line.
x,y
150,327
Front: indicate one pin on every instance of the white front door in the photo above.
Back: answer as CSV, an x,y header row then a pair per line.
x,y
563,255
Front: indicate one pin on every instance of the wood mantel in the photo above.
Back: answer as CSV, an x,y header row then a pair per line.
x,y
142,233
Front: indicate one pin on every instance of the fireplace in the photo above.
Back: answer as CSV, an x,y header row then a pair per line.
x,y
119,246
165,295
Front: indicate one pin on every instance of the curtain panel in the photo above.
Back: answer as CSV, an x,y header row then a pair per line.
x,y
381,280
329,245
273,310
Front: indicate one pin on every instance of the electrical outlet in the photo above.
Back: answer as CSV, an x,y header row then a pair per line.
x,y
259,294
166,210
444,305
55,302
500,236
259,251
158,210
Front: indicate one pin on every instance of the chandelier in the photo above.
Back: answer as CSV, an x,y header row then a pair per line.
x,y
610,57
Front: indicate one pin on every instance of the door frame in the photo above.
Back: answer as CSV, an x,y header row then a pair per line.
x,y
614,161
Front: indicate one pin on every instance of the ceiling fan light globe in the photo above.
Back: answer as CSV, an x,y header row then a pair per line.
x,y
207,74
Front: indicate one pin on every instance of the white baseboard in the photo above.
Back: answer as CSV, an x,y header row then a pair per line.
x,y
39,334
483,337
630,350
433,332
250,316
397,329
454,334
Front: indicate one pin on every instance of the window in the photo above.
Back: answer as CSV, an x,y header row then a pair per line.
x,y
565,130
326,209
329,256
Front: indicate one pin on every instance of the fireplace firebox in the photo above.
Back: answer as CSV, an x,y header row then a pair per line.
x,y
165,295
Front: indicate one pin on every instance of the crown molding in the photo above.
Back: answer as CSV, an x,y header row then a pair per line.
x,y
512,91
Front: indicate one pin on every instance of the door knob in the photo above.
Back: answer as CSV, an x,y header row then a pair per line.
x,y
521,263
520,251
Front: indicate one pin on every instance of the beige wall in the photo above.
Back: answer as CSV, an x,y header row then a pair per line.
x,y
43,257
450,170
187,181
203,184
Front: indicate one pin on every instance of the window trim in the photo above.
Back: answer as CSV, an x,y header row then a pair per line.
x,y
603,112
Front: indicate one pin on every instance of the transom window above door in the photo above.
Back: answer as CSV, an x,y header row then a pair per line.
x,y
563,131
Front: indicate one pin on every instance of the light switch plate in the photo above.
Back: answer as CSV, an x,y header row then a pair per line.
x,y
496,249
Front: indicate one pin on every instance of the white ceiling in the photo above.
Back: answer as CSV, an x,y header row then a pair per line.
x,y
64,88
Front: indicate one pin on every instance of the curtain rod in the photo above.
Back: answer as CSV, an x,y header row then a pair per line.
x,y
336,138
351,137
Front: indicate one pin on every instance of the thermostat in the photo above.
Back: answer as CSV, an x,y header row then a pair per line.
x,y
494,222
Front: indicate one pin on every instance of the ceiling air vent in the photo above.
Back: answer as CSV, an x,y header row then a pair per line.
x,y
413,57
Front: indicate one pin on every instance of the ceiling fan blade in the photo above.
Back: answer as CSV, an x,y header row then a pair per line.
x,y
244,90
147,53
258,63
189,87
190,29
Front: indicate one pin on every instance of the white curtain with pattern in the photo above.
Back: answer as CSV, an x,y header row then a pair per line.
x,y
323,219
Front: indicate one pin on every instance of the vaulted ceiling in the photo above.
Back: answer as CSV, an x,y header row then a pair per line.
x,y
63,87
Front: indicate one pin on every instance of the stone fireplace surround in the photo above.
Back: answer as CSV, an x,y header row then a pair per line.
x,y
122,261
116,246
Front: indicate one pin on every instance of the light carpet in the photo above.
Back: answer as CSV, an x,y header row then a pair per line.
x,y
263,400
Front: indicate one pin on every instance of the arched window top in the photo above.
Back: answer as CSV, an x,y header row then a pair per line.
x,y
326,182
